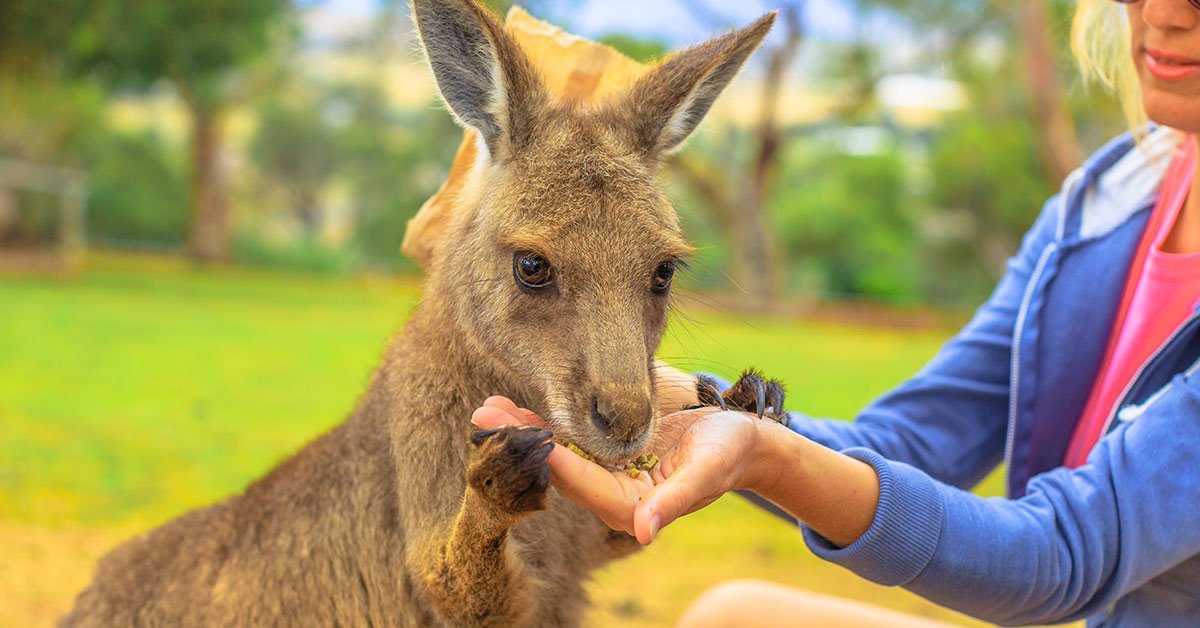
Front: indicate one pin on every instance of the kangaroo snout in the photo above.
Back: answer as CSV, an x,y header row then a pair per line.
x,y
624,415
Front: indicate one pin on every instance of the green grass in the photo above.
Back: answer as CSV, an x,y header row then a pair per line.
x,y
141,388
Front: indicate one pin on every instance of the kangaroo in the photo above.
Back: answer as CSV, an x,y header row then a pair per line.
x,y
551,287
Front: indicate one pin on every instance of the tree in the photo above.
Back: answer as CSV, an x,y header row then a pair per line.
x,y
1027,25
297,152
1058,140
196,45
737,195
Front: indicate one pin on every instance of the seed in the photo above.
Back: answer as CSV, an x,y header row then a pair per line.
x,y
632,469
646,462
639,464
580,452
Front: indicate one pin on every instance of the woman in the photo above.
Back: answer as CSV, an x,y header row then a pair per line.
x,y
1079,373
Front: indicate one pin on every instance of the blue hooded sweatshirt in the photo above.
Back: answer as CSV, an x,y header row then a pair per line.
x,y
1116,541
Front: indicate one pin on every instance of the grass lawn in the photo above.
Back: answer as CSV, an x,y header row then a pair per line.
x,y
142,388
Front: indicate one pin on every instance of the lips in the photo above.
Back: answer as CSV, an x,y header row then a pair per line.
x,y
1170,67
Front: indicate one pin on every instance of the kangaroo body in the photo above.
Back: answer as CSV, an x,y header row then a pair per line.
x,y
549,285
340,534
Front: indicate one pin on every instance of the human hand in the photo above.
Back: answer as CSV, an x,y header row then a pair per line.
x,y
610,494
707,452
704,453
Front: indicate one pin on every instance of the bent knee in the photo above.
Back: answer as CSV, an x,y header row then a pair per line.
x,y
765,604
725,604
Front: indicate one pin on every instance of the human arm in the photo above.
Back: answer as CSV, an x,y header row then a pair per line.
x,y
706,453
1079,540
1075,543
720,451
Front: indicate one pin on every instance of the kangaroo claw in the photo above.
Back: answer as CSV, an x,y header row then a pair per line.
x,y
775,401
753,393
709,393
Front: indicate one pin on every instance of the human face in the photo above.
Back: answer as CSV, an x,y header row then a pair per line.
x,y
1166,51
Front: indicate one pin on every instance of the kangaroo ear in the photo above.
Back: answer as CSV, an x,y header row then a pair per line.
x,y
670,100
482,74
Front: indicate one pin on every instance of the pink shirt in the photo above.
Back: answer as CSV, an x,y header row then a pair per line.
x,y
1160,294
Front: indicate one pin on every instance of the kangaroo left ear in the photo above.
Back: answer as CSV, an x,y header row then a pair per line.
x,y
481,72
668,102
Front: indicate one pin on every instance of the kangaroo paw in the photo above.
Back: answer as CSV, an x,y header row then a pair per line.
x,y
753,393
509,468
709,393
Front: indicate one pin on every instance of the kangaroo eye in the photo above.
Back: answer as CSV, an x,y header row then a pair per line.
x,y
662,277
532,270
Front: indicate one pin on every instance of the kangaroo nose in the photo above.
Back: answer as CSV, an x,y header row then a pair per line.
x,y
624,417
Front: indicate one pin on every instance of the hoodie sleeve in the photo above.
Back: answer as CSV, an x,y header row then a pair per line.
x,y
1075,543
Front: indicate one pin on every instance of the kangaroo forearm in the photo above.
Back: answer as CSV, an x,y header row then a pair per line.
x,y
676,389
476,580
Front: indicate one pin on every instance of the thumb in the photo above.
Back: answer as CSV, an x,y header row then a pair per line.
x,y
691,484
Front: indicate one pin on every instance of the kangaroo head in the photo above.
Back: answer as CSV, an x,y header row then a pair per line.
x,y
557,262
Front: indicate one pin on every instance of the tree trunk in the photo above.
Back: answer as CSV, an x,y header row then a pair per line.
x,y
737,197
758,246
1058,141
209,236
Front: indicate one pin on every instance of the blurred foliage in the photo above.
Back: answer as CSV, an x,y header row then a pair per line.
x,y
392,161
330,167
986,191
197,46
296,151
193,43
305,254
849,221
138,191
43,119
636,48
137,185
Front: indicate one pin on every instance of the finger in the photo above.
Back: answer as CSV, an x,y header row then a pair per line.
x,y
593,487
491,416
531,417
689,485
658,474
527,417
499,401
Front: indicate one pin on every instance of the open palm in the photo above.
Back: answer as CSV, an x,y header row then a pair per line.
x,y
702,454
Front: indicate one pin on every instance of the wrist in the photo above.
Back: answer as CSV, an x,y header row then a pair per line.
x,y
770,458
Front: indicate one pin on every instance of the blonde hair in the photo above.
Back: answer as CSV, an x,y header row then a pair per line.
x,y
1100,41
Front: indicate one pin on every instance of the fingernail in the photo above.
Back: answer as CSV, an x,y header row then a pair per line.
x,y
655,523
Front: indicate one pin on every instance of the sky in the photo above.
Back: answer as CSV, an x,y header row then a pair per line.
x,y
668,20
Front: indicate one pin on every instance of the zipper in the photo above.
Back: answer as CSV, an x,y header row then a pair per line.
x,y
1015,368
1134,412
1142,369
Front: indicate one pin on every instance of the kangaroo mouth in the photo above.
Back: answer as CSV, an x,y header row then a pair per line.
x,y
634,467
